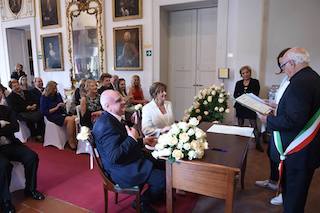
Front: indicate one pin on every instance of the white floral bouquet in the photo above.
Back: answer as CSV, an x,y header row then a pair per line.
x,y
184,140
84,134
209,105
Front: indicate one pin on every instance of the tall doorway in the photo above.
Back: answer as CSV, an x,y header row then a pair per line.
x,y
192,55
20,50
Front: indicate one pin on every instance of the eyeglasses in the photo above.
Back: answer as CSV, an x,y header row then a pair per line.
x,y
282,66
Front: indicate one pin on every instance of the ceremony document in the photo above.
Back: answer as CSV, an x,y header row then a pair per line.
x,y
232,130
254,103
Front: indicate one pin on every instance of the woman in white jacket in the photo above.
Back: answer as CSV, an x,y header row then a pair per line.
x,y
157,115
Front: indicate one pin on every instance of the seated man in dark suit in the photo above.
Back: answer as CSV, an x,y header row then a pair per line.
x,y
22,103
11,149
121,151
37,90
105,81
18,72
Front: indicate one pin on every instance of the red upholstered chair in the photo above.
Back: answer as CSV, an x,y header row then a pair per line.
x,y
109,185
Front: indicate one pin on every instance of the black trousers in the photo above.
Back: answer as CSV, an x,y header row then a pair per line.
x,y
274,172
254,125
295,186
21,153
34,122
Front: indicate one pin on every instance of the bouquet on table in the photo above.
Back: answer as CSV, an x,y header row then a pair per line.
x,y
209,105
183,141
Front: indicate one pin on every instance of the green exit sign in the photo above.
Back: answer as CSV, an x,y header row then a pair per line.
x,y
148,53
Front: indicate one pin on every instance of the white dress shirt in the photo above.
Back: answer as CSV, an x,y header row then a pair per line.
x,y
153,120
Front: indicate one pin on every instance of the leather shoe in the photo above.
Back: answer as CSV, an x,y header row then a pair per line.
x,y
144,207
7,207
34,194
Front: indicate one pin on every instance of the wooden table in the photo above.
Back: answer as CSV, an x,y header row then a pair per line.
x,y
215,174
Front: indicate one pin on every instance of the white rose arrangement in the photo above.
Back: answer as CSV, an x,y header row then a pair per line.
x,y
209,105
182,141
84,134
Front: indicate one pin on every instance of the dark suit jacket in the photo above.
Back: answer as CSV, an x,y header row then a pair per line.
x,y
253,87
9,130
298,104
103,88
121,155
36,95
18,104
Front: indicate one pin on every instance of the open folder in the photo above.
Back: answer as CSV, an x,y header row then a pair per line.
x,y
232,130
254,103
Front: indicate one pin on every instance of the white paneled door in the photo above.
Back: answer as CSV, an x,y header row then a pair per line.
x,y
18,49
192,55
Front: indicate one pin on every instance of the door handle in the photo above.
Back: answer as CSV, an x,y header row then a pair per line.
x,y
197,85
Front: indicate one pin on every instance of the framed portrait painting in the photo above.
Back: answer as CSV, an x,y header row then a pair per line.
x,y
52,55
126,9
50,13
127,48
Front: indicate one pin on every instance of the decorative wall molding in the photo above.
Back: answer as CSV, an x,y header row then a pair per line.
x,y
16,9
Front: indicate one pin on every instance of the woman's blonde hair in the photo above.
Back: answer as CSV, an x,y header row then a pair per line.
x,y
49,90
87,84
132,80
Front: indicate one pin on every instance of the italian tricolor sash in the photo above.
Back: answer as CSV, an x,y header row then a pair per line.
x,y
305,137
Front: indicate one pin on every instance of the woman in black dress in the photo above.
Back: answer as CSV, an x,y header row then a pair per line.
x,y
247,85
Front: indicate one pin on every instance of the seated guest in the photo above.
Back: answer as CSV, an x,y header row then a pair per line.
x,y
115,81
135,91
90,108
52,106
105,81
18,72
22,103
157,115
11,149
37,90
123,91
79,92
23,81
120,149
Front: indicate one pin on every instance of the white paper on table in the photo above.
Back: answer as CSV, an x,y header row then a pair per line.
x,y
232,130
254,103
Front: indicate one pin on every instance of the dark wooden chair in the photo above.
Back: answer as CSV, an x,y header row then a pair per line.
x,y
109,185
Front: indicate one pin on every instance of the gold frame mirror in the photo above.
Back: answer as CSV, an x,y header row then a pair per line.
x,y
85,39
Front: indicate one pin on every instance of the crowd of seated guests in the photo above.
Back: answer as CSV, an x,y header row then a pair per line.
x,y
31,104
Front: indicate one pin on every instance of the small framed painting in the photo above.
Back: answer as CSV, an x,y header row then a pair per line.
x,y
126,9
50,13
52,52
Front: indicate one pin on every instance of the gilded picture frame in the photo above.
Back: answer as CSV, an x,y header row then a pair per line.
x,y
52,54
49,14
127,46
126,9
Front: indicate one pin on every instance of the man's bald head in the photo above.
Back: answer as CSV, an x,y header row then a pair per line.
x,y
112,101
298,55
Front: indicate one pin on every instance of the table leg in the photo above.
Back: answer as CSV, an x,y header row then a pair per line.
x,y
230,192
243,170
169,187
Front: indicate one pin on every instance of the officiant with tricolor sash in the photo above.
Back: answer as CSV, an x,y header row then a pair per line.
x,y
296,139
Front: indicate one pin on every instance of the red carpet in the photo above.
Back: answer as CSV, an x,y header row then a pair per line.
x,y
65,175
